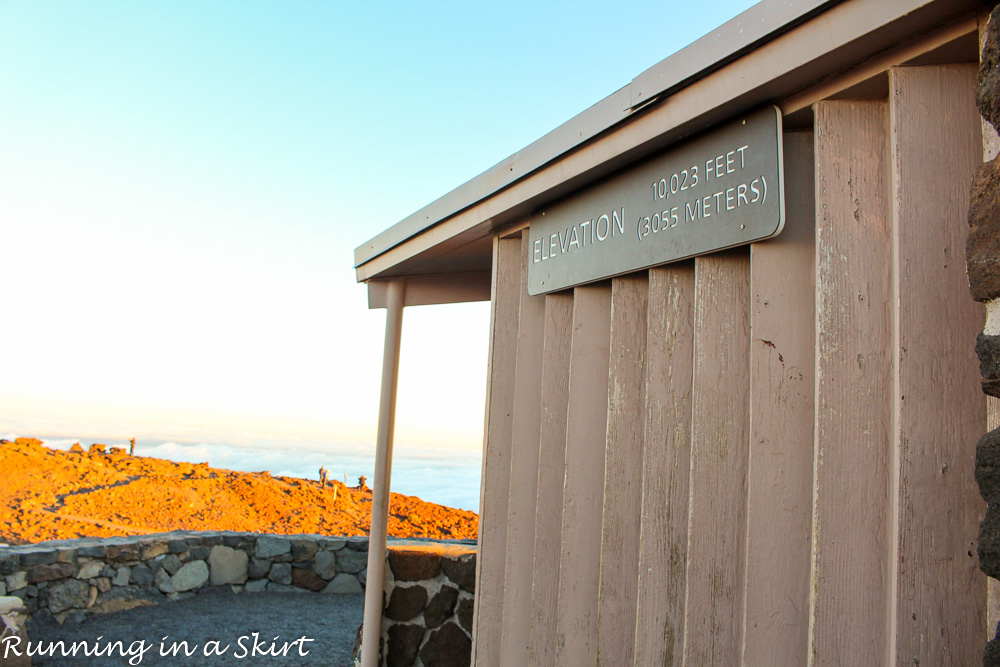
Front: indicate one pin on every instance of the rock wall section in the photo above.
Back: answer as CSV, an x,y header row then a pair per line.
x,y
429,587
983,260
427,617
68,580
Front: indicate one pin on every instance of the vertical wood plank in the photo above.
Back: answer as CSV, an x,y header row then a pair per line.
x,y
493,495
716,565
853,386
523,473
623,472
936,145
583,493
666,467
551,476
781,424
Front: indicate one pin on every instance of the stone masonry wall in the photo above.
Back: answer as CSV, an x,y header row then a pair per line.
x,y
428,589
428,603
983,261
68,580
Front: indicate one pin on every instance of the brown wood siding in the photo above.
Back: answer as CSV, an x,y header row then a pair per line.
x,y
495,481
761,456
551,475
583,491
666,466
716,564
938,416
523,474
623,471
854,369
782,379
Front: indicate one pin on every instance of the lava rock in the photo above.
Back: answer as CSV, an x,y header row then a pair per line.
x,y
307,579
991,655
448,646
352,561
988,95
404,642
154,549
982,248
462,571
162,581
198,553
268,546
405,603
72,594
50,572
39,556
192,575
414,565
281,573
989,542
142,575
227,565
441,607
258,567
122,576
988,466
303,550
465,608
90,570
121,553
344,584
171,563
17,581
8,564
325,564
92,551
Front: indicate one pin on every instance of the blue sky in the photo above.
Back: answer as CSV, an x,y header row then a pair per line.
x,y
182,185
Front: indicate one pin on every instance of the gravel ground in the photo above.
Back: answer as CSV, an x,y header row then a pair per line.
x,y
329,620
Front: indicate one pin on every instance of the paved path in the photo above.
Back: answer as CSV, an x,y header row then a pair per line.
x,y
329,620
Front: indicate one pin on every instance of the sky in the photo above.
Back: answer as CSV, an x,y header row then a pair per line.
x,y
182,186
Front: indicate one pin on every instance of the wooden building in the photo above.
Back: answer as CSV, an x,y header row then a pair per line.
x,y
758,452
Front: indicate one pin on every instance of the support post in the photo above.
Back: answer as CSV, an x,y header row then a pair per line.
x,y
383,468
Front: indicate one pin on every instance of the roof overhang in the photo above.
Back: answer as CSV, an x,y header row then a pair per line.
x,y
784,52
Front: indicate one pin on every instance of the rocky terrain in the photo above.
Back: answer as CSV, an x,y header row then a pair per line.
x,y
48,494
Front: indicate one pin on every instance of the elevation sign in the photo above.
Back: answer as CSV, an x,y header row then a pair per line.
x,y
719,190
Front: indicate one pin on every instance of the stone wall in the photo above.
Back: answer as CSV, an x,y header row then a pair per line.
x,y
429,585
68,580
983,260
427,618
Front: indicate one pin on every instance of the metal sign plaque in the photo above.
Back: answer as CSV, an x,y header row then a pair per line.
x,y
719,190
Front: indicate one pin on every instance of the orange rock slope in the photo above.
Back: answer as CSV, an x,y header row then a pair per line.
x,y
48,494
